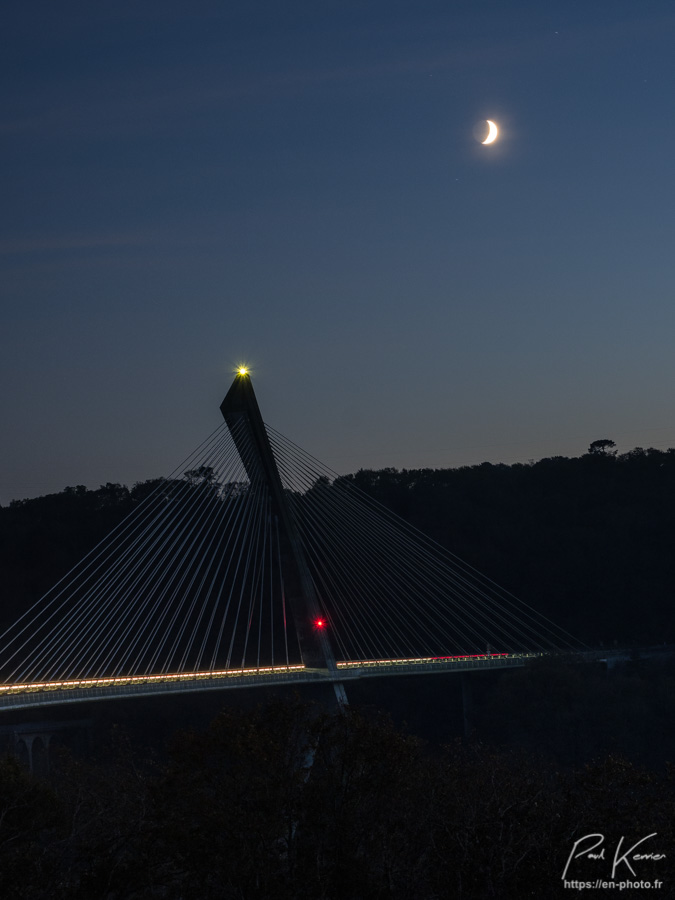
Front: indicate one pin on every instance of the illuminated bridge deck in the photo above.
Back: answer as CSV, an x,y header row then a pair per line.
x,y
49,693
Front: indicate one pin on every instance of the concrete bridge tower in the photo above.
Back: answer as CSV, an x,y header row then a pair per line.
x,y
242,414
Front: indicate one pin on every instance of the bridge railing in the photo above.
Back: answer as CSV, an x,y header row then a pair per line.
x,y
51,693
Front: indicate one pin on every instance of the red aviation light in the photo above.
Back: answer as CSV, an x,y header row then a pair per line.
x,y
319,623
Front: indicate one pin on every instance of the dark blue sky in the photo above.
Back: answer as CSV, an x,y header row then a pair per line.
x,y
296,185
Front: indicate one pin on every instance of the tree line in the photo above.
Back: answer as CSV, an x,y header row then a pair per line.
x,y
287,803
587,540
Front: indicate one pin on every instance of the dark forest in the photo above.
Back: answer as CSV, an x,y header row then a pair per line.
x,y
286,800
587,541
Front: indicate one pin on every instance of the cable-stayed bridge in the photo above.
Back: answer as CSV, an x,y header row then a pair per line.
x,y
254,564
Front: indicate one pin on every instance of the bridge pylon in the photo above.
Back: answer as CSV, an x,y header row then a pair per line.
x,y
242,414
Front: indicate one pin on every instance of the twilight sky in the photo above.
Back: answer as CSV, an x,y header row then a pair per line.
x,y
296,185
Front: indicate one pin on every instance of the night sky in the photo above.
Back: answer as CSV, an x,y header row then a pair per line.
x,y
296,185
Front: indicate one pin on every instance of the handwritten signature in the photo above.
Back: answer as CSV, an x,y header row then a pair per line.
x,y
592,846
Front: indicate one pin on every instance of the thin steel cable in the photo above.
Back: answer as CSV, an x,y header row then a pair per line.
x,y
150,513
316,472
206,593
241,541
253,588
417,595
195,554
95,594
352,528
283,589
244,579
165,559
92,555
505,597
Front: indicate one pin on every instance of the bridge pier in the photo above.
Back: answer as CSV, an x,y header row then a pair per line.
x,y
30,742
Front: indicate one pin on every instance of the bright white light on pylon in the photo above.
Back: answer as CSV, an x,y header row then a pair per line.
x,y
243,370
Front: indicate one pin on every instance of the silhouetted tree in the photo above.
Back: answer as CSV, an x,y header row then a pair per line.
x,y
603,447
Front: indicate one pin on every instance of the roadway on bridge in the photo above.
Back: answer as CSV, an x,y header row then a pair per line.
x,y
23,696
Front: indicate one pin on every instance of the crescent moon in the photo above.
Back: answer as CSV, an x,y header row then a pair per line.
x,y
492,133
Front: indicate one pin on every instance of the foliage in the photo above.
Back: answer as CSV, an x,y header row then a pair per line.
x,y
290,803
29,813
227,804
573,711
603,447
586,541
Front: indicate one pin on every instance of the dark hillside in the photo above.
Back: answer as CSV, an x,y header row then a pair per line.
x,y
587,541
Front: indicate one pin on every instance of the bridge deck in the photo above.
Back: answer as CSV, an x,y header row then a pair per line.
x,y
21,696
